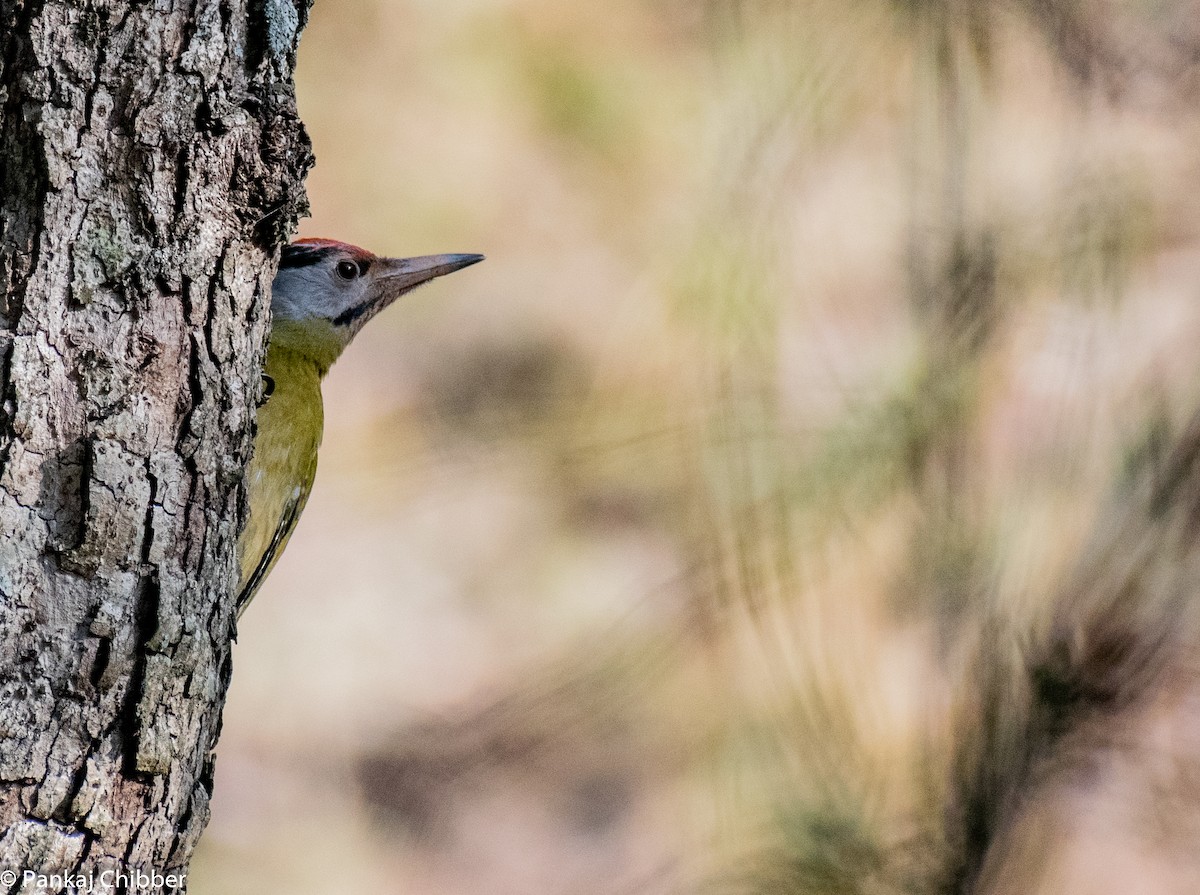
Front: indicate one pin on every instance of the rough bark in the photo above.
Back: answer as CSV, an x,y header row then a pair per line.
x,y
151,161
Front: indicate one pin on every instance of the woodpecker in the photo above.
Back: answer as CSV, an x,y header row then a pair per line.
x,y
324,293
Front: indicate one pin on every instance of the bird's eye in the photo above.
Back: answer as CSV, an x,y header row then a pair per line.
x,y
347,270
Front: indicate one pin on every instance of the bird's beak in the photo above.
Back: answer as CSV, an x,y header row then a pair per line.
x,y
399,275
392,277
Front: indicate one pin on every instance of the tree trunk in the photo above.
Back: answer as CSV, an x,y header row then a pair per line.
x,y
151,161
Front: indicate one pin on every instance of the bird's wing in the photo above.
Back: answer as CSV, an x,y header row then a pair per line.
x,y
283,531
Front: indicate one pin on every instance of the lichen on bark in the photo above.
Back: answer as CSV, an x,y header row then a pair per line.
x,y
151,163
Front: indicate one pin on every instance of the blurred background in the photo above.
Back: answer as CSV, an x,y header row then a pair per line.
x,y
661,552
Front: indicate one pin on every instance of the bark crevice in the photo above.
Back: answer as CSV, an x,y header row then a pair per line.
x,y
150,166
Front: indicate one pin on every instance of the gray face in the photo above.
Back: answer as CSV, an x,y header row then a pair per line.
x,y
346,287
330,288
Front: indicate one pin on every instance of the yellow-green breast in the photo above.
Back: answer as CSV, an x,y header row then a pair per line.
x,y
280,475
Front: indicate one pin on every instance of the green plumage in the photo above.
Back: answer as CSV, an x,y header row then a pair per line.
x,y
323,293
280,475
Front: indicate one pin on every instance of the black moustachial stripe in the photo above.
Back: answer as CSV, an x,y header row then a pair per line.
x,y
351,314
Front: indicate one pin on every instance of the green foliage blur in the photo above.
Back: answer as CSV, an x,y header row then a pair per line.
x,y
682,545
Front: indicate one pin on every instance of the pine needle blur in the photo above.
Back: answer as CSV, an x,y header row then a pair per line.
x,y
805,499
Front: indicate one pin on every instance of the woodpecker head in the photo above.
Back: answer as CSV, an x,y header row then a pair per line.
x,y
326,291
